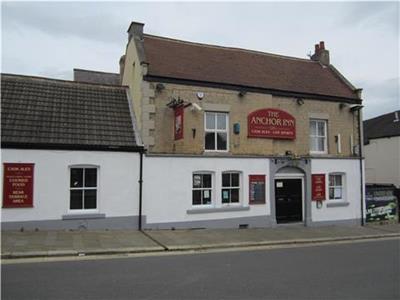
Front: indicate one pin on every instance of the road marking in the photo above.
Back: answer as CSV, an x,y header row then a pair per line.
x,y
188,252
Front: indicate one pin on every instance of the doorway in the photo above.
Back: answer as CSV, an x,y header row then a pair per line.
x,y
289,200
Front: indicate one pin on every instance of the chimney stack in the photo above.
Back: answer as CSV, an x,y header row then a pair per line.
x,y
121,67
135,30
321,54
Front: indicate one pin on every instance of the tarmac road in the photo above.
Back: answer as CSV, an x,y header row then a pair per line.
x,y
362,270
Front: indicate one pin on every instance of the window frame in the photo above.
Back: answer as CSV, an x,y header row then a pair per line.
x,y
212,190
239,188
83,188
343,187
216,130
325,122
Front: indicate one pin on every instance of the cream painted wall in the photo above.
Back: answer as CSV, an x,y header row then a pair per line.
x,y
117,191
351,170
168,187
382,161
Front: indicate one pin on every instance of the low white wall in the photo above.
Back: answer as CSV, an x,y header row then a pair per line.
x,y
351,169
168,187
117,189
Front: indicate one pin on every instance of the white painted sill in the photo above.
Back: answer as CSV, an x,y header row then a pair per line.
x,y
83,216
337,203
217,209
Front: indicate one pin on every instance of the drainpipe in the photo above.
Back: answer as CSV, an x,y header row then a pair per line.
x,y
140,188
361,168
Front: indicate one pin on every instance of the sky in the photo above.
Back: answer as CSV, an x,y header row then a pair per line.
x,y
51,38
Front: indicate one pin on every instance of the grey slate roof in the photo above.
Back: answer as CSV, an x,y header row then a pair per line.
x,y
48,113
96,77
382,126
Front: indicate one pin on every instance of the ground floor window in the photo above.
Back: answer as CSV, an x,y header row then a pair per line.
x,y
336,186
202,189
230,187
83,188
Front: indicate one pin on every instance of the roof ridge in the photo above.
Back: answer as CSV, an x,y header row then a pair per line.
x,y
65,81
380,116
93,71
231,48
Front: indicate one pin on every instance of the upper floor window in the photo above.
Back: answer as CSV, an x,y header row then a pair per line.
x,y
336,187
230,187
318,136
83,188
202,189
216,131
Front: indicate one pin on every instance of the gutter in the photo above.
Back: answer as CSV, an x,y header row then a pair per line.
x,y
361,168
236,87
140,189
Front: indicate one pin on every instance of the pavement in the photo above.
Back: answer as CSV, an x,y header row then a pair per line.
x,y
16,244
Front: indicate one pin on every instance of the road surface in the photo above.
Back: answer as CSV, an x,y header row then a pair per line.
x,y
362,270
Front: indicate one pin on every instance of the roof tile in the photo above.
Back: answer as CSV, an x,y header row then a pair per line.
x,y
47,111
199,62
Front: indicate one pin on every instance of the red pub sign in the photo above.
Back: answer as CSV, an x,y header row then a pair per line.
x,y
271,123
318,187
178,122
18,185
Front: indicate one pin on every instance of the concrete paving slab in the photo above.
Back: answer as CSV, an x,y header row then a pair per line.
x,y
70,243
199,239
63,243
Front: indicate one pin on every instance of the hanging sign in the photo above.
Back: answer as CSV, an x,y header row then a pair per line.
x,y
271,123
318,187
178,122
18,185
256,189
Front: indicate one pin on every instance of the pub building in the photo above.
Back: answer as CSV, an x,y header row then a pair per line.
x,y
241,138
197,136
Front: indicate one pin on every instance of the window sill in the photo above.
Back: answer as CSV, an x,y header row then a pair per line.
x,y
337,204
216,210
83,216
319,153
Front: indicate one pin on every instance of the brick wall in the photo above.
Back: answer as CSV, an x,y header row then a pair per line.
x,y
340,121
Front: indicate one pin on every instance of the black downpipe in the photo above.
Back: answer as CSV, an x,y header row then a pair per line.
x,y
361,169
140,189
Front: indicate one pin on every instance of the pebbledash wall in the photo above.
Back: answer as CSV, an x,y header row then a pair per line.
x,y
117,190
170,204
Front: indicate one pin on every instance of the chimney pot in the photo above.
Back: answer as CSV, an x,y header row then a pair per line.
x,y
321,54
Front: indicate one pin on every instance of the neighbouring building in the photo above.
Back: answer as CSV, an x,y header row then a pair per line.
x,y
382,149
91,76
241,138
70,155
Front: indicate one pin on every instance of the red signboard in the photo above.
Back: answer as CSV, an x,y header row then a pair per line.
x,y
256,189
271,123
18,185
178,123
318,187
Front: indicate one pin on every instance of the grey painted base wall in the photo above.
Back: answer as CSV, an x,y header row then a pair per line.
x,y
128,222
131,222
250,222
350,222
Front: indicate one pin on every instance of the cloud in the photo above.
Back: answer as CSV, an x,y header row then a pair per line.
x,y
85,20
372,14
381,97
